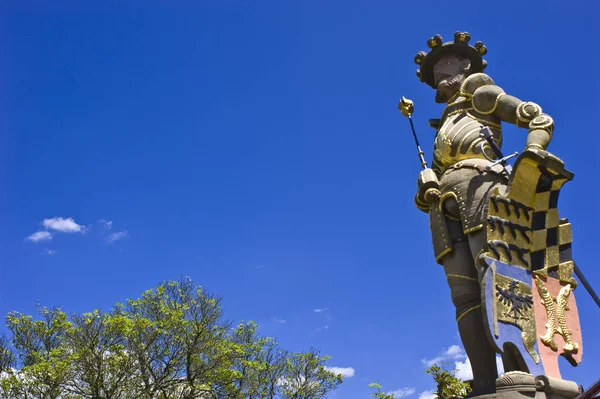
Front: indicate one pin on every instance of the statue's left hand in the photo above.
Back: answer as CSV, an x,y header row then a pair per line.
x,y
543,154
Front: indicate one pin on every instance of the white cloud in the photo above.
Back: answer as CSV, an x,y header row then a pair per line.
x,y
40,236
64,225
463,370
319,329
280,321
402,392
50,252
454,352
117,236
324,313
107,223
431,362
346,372
465,373
428,395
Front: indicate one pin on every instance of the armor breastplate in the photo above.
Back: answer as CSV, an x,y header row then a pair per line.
x,y
458,136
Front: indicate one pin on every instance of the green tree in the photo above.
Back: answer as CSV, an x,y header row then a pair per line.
x,y
258,364
101,366
172,342
41,347
305,376
448,385
7,356
378,394
174,333
7,362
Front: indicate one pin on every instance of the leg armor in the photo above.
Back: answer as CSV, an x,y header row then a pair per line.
x,y
463,279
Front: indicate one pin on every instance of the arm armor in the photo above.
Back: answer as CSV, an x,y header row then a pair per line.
x,y
491,99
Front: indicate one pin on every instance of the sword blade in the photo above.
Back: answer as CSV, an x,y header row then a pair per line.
x,y
587,285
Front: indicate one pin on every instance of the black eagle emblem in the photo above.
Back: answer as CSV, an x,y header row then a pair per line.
x,y
517,302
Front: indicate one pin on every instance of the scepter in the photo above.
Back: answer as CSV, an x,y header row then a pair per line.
x,y
407,108
427,182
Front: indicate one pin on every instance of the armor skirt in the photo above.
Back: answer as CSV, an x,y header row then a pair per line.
x,y
471,186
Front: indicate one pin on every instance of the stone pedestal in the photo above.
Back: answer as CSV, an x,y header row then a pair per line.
x,y
520,385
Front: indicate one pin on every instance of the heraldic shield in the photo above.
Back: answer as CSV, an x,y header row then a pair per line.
x,y
528,284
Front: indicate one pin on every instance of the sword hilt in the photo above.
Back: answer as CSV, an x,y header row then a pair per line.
x,y
488,136
502,161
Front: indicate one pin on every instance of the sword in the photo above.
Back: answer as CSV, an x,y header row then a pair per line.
x,y
586,284
486,133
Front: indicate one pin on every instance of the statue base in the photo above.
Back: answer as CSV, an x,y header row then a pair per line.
x,y
520,385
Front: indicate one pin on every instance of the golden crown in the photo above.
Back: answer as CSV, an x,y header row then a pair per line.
x,y
459,47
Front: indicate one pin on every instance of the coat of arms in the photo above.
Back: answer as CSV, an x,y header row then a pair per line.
x,y
528,285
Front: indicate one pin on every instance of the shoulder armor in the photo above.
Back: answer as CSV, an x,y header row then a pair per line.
x,y
475,81
486,98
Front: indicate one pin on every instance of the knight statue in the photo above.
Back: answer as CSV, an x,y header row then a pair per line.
x,y
496,230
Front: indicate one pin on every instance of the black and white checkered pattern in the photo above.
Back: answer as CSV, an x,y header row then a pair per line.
x,y
551,244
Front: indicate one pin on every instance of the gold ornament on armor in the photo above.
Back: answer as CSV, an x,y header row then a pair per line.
x,y
543,122
555,311
526,111
458,139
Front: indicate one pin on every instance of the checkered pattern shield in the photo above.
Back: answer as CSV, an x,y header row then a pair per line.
x,y
530,266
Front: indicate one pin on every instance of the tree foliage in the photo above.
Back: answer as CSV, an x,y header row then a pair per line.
x,y
448,385
378,394
171,343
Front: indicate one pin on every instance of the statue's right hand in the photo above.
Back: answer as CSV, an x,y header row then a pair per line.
x,y
432,195
429,186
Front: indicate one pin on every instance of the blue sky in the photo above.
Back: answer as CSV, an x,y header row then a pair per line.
x,y
256,147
